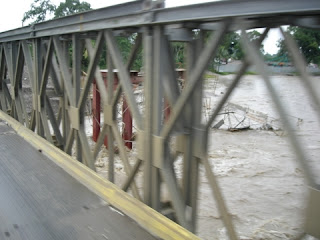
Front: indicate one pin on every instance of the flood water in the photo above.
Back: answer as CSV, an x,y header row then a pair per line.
x,y
262,182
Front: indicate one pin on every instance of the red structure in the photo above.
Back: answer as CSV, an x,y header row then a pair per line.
x,y
127,128
126,114
96,108
167,111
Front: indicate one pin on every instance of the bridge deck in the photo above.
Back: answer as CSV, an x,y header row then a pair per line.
x,y
39,200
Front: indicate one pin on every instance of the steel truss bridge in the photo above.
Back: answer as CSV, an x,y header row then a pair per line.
x,y
43,50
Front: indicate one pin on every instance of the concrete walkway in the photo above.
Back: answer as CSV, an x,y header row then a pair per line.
x,y
39,200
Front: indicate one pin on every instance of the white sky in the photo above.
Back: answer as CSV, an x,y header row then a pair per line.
x,y
12,12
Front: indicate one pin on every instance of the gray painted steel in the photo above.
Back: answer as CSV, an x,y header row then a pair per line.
x,y
44,49
39,201
133,15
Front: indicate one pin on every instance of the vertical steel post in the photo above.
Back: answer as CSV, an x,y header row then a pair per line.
x,y
65,115
192,123
110,136
157,110
2,82
188,148
148,90
38,74
76,77
197,117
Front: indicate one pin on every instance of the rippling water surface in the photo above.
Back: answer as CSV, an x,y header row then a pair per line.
x,y
261,180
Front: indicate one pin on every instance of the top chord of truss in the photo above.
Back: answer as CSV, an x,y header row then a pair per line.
x,y
259,13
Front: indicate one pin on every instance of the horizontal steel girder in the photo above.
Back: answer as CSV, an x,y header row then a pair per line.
x,y
132,14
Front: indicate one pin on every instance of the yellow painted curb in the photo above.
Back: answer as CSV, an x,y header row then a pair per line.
x,y
151,220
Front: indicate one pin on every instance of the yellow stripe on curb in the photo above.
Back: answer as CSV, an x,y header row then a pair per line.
x,y
146,217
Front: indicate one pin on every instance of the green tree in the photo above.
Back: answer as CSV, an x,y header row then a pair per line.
x,y
70,7
178,51
42,10
125,44
282,55
270,57
254,35
308,41
230,47
39,11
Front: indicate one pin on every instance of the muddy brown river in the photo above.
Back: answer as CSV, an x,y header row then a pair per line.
x,y
263,184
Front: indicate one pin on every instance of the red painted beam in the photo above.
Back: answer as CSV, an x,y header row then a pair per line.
x,y
95,112
127,120
167,110
126,114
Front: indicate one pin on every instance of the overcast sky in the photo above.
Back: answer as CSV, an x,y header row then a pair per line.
x,y
11,14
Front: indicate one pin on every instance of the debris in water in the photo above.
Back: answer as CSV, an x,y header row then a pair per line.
x,y
239,129
219,124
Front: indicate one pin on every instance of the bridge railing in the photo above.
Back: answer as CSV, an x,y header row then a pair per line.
x,y
41,53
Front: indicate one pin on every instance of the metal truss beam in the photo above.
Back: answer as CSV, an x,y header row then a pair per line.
x,y
133,15
53,51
